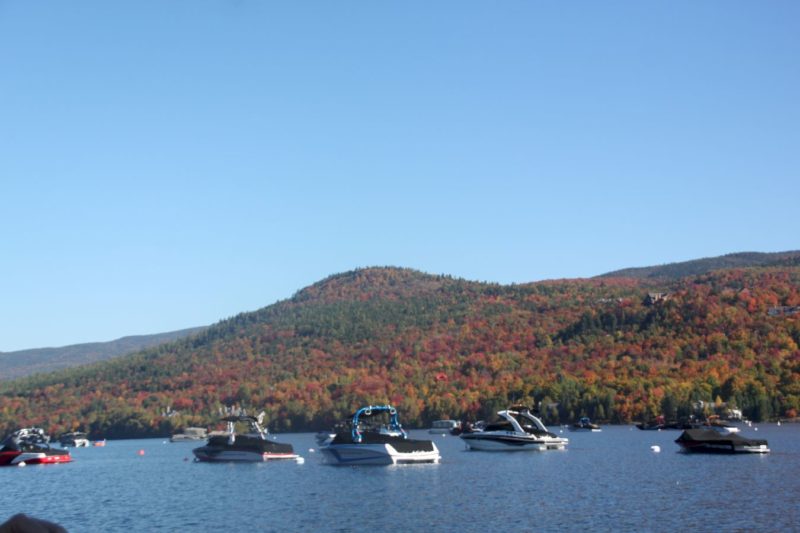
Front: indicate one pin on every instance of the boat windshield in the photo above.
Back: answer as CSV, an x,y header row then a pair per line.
x,y
528,422
359,425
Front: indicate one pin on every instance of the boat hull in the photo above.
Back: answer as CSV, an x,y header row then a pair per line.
x,y
16,458
220,448
709,441
211,454
377,454
489,442
724,448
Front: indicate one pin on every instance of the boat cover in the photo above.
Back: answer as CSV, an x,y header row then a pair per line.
x,y
714,437
400,444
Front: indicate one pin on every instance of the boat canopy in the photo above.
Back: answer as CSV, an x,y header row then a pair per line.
x,y
714,437
239,418
372,410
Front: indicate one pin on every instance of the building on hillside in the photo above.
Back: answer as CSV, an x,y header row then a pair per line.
x,y
653,298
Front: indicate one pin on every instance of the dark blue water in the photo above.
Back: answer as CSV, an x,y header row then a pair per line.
x,y
609,481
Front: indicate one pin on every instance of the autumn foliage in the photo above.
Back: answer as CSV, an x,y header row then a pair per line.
x,y
438,347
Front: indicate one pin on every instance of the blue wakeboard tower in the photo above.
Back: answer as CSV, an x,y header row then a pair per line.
x,y
372,410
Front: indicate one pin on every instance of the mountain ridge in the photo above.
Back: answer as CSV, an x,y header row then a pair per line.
x,y
704,265
442,347
22,363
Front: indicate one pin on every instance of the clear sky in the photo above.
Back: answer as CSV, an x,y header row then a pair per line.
x,y
167,164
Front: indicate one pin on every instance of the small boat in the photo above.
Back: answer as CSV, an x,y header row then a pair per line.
x,y
711,441
468,427
714,422
190,434
30,446
584,424
75,439
324,438
443,427
378,444
660,423
99,443
518,430
253,446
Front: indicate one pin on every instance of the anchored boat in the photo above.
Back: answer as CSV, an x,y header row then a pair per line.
x,y
252,446
517,430
75,439
190,434
711,441
378,444
585,424
30,446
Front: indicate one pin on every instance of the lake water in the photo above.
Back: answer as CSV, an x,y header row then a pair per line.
x,y
608,481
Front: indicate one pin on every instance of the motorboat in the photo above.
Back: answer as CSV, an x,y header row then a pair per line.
x,y
711,441
252,446
714,422
585,424
368,443
468,427
30,446
443,427
518,429
324,438
660,423
190,434
74,439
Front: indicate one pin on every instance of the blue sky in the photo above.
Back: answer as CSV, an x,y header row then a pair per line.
x,y
165,165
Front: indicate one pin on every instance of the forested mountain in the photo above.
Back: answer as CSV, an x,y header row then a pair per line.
x,y
26,362
703,266
438,347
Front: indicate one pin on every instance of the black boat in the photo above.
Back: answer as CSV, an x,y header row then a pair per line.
x,y
660,423
253,446
585,424
710,441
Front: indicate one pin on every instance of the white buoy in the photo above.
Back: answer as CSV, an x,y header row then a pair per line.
x,y
23,463
656,448
300,460
779,422
311,450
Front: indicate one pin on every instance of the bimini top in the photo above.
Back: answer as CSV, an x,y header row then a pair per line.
x,y
372,410
240,418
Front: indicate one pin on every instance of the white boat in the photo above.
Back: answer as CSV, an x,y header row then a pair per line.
x,y
517,430
190,434
253,446
718,425
443,427
75,439
388,444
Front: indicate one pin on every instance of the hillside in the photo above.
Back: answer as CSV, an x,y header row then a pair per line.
x,y
439,347
674,271
26,362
